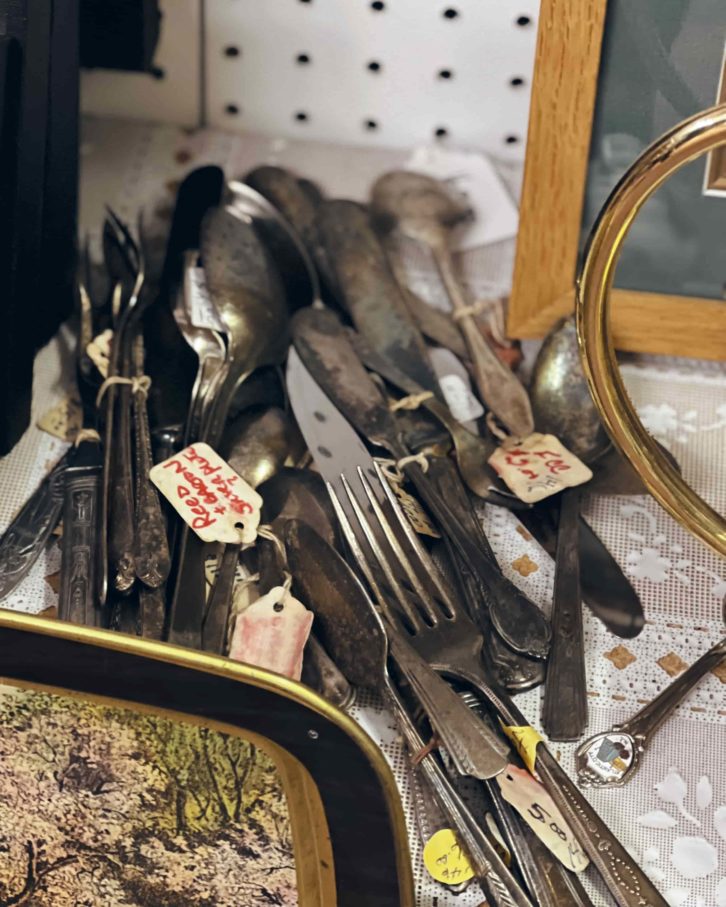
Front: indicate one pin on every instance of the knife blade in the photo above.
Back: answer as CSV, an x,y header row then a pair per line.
x,y
324,346
27,535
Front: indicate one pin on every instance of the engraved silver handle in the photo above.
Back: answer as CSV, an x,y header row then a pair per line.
x,y
151,554
27,535
644,724
79,555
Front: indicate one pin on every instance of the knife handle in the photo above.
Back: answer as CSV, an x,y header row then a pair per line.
x,y
25,538
564,714
79,557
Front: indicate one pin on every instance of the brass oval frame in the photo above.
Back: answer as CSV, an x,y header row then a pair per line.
x,y
678,147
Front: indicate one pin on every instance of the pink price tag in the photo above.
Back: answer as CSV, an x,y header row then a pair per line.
x,y
538,466
272,633
209,495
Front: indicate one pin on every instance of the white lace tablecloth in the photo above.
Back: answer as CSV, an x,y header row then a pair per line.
x,y
681,583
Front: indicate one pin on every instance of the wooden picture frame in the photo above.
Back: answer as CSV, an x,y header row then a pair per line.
x,y
564,90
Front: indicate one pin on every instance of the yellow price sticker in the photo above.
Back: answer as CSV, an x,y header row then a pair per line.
x,y
525,740
445,859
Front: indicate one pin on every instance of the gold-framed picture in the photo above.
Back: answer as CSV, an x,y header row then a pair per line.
x,y
610,77
141,773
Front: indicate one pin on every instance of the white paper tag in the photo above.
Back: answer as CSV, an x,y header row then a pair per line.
x,y
539,811
463,404
64,420
411,507
538,466
200,308
209,495
99,351
472,174
272,633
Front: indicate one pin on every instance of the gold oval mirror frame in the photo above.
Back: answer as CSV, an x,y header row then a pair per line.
x,y
678,147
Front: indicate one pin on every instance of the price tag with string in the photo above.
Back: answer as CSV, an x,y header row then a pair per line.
x,y
209,495
539,811
538,466
271,633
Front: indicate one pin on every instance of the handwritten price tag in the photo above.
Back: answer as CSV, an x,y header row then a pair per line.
x,y
209,495
272,633
538,466
445,859
538,810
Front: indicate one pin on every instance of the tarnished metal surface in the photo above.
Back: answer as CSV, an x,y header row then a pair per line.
x,y
342,615
560,397
372,295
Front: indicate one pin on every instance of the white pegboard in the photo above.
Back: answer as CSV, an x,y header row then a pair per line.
x,y
388,73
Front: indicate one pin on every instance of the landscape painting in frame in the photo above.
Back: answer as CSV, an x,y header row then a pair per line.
x,y
101,806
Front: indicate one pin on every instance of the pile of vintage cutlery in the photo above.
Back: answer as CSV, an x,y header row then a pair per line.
x,y
279,336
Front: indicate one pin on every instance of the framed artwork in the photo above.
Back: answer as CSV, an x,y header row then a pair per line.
x,y
610,77
141,774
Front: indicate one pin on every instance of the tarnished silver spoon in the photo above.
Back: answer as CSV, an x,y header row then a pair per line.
x,y
612,758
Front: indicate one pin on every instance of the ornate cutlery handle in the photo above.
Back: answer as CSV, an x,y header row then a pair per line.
x,y
79,555
121,502
25,538
644,724
475,749
564,714
152,559
500,887
624,879
500,389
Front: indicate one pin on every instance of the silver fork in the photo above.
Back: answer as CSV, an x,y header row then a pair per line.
x,y
446,637
442,631
475,749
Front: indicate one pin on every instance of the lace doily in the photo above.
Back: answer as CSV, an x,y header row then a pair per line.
x,y
681,583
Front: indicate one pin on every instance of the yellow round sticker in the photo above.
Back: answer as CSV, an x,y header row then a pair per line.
x,y
445,858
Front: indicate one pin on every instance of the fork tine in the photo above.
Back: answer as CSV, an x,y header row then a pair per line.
x,y
412,538
402,557
355,546
383,563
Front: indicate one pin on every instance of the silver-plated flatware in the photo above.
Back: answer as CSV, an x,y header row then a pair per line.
x,y
611,759
423,209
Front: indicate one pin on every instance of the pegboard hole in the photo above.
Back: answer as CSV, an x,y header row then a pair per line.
x,y
371,125
511,139
523,21
231,109
441,132
516,81
302,59
450,13
445,74
378,6
231,51
301,116
374,66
